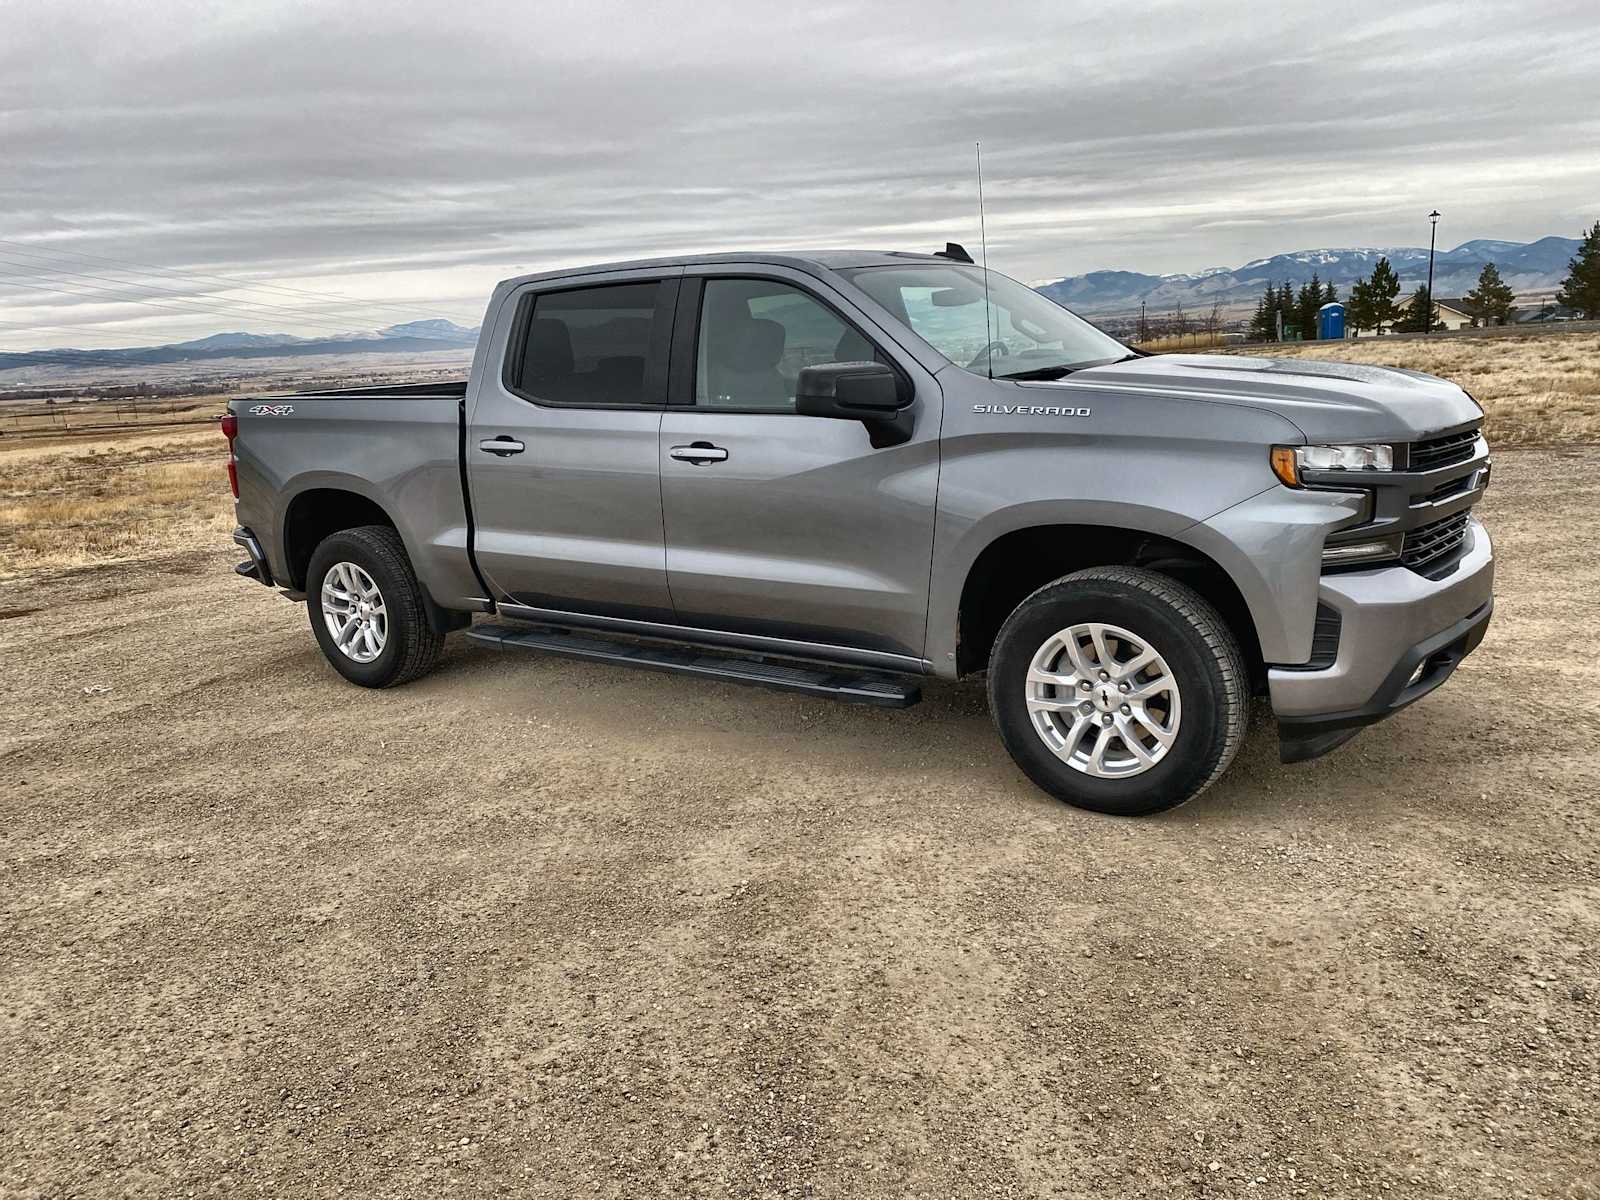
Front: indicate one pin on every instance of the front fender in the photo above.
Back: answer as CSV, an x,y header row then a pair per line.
x,y
954,561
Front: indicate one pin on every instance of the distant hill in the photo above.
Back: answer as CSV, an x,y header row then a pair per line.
x,y
1525,266
409,337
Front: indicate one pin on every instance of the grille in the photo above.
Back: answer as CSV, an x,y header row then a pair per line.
x,y
1454,487
1426,544
1443,451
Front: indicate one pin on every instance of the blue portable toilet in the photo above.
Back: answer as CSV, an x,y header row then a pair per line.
x,y
1330,322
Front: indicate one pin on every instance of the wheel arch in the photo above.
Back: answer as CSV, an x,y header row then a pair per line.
x,y
317,510
1015,563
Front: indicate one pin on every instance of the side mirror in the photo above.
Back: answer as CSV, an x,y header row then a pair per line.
x,y
868,392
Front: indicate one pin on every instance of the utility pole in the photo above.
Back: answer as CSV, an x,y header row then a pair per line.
x,y
1433,228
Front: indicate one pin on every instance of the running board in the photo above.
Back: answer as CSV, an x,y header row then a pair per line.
x,y
836,683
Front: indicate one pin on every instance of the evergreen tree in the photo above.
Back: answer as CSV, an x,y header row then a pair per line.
x,y
1492,297
1358,310
1581,288
1418,314
1306,305
1382,289
1262,326
1286,308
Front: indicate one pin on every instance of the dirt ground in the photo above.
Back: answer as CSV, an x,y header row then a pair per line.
x,y
541,928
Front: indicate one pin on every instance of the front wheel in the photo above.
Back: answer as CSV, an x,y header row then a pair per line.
x,y
1119,690
367,610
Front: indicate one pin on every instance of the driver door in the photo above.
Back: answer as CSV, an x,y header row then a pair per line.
x,y
782,525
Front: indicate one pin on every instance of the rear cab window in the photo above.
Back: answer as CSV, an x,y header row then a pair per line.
x,y
594,347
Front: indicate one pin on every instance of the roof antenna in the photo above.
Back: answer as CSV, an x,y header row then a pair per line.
x,y
983,236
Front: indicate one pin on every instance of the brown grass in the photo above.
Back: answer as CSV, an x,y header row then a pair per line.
x,y
118,500
1168,343
1539,390
76,418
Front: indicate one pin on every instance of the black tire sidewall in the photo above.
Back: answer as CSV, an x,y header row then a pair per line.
x,y
1203,725
352,545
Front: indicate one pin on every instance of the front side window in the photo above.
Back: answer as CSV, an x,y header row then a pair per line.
x,y
756,335
588,347
1018,334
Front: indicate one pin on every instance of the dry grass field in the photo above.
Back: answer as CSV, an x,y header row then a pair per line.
x,y
1539,390
1183,343
94,499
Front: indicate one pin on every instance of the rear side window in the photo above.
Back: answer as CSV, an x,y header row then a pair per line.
x,y
587,347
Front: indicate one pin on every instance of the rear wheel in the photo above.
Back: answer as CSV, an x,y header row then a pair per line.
x,y
1119,690
367,610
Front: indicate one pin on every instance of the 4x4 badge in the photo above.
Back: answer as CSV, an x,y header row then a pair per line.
x,y
270,410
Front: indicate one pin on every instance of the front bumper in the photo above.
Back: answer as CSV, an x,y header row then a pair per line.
x,y
1393,622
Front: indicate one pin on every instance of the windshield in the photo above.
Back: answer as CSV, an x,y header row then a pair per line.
x,y
1023,334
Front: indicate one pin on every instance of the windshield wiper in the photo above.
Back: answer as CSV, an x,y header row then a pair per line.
x,y
1045,373
1063,369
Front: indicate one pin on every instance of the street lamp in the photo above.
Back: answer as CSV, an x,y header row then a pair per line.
x,y
1433,228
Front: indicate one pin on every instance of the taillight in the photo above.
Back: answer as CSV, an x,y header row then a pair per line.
x,y
230,430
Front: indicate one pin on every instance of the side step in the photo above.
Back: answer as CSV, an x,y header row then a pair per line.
x,y
837,683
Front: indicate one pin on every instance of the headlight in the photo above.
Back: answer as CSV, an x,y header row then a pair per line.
x,y
1289,461
1339,554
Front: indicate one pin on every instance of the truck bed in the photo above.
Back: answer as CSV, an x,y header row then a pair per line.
x,y
451,389
389,455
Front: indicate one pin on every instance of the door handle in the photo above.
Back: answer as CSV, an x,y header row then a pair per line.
x,y
503,445
699,453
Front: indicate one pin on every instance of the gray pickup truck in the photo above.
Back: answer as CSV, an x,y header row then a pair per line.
x,y
839,472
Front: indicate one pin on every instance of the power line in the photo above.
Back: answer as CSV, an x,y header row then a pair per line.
x,y
138,293
210,307
133,339
147,268
295,312
214,310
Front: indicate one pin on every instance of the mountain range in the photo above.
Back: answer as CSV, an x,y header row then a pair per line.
x,y
407,337
1525,266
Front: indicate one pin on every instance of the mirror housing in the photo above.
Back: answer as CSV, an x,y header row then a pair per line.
x,y
869,392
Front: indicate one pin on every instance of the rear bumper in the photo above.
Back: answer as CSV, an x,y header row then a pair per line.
x,y
255,567
1402,635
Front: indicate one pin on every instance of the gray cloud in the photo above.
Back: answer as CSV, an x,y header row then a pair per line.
x,y
412,154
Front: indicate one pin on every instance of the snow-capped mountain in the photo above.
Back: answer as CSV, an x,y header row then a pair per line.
x,y
1525,266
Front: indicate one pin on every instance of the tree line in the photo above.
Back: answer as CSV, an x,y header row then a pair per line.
x,y
1298,310
1374,302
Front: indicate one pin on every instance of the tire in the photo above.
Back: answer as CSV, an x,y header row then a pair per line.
x,y
407,647
1189,724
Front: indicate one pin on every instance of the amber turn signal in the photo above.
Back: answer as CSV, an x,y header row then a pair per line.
x,y
1285,467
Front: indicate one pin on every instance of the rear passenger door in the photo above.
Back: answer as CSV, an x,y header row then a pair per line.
x,y
781,525
561,447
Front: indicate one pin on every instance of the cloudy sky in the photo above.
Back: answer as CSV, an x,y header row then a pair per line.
x,y
358,163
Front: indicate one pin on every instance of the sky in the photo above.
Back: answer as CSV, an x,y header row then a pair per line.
x,y
173,169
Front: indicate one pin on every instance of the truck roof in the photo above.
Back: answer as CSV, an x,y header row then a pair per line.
x,y
810,261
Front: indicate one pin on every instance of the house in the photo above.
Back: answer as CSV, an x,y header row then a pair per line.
x,y
1456,314
1448,314
1540,313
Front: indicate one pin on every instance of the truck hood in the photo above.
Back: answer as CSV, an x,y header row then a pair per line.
x,y
1327,401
